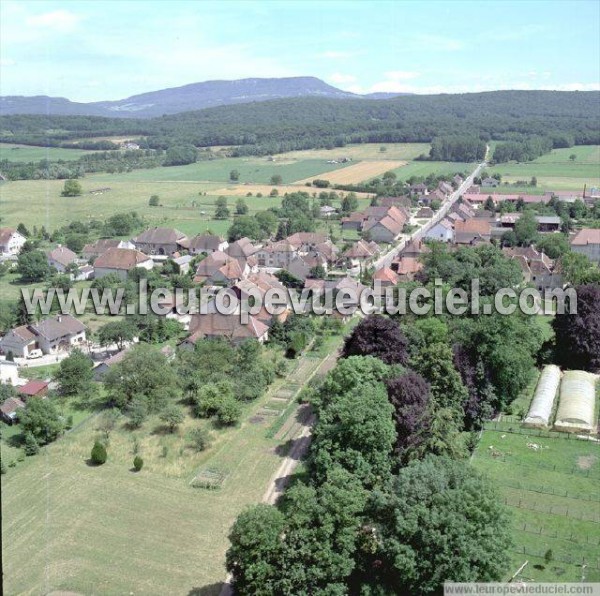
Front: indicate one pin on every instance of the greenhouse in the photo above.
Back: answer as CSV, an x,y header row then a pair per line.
x,y
542,403
577,402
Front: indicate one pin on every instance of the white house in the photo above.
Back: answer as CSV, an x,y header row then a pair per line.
x,y
11,241
442,231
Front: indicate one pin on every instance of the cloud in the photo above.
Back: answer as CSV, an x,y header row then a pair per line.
x,y
4,62
401,75
435,43
340,78
61,21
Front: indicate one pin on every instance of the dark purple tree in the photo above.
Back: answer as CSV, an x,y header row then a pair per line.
x,y
409,394
377,336
578,334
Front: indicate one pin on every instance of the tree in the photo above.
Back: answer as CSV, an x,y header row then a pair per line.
x,y
42,420
117,332
180,155
489,205
409,396
267,222
71,188
199,439
241,208
349,203
31,446
577,269
138,463
33,266
229,412
154,201
98,454
234,175
578,334
526,228
22,229
442,520
137,412
172,416
143,374
221,211
245,226
74,375
276,180
378,336
317,272
572,157
554,245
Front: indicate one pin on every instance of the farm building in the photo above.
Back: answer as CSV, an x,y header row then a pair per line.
x,y
577,400
541,406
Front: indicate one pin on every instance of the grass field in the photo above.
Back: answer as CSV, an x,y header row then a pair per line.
x,y
109,530
393,151
555,171
27,153
424,168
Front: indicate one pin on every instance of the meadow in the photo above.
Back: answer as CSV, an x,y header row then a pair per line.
x,y
555,170
68,526
27,153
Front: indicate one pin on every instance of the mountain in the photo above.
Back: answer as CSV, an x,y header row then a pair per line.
x,y
182,99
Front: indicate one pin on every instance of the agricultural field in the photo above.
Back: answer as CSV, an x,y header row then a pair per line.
x,y
439,168
27,153
555,170
549,481
393,151
180,527
358,172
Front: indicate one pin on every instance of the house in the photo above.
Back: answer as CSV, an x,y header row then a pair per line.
x,y
326,211
587,242
83,272
445,187
415,248
241,249
425,213
385,230
207,243
9,410
33,388
353,222
419,189
458,180
406,267
161,241
400,202
548,223
490,182
229,327
11,241
472,231
91,251
219,268
103,367
538,269
386,277
121,261
183,263
60,258
50,335
276,254
360,253
305,241
442,231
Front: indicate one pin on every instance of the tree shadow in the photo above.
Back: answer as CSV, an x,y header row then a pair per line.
x,y
210,590
164,430
17,440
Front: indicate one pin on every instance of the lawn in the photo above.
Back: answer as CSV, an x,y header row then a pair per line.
x,y
552,494
555,171
113,531
27,153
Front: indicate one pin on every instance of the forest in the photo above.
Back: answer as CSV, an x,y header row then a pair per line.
x,y
275,126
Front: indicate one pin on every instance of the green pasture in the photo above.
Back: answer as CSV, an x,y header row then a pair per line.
x,y
439,168
27,153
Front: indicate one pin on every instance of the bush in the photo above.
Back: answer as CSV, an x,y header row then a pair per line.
x,y
31,446
229,412
153,201
199,439
138,463
99,454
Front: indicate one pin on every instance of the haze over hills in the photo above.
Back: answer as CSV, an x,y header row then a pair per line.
x,y
195,96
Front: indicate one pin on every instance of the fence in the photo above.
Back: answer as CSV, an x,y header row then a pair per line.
x,y
578,539
551,510
496,426
550,490
591,563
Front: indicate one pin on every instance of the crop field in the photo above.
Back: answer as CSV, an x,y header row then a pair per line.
x,y
357,172
424,168
549,481
265,189
556,171
393,151
26,153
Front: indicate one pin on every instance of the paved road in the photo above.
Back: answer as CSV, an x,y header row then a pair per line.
x,y
386,259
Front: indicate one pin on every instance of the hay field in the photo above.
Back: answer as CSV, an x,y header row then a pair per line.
x,y
398,151
27,153
244,189
358,172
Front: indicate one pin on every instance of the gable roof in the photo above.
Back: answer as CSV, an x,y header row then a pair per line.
x,y
385,274
6,234
63,255
33,387
586,236
10,406
161,236
121,258
100,246
227,326
203,242
58,326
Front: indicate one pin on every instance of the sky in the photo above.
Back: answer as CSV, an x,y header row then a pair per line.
x,y
90,51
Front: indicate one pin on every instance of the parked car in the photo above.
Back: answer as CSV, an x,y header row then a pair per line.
x,y
35,354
